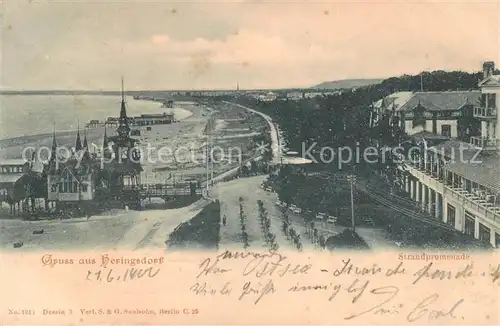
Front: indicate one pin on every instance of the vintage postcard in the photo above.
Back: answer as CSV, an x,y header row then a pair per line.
x,y
250,162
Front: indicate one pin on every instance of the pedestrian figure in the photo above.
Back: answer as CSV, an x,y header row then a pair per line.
x,y
224,219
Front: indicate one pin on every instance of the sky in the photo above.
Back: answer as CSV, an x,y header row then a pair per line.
x,y
259,44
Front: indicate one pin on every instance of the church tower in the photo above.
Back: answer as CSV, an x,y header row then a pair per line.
x,y
78,143
123,144
53,161
106,152
126,162
86,154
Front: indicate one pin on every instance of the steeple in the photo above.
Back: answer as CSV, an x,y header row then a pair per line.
x,y
123,128
85,143
106,153
54,145
53,165
105,141
78,145
86,154
123,111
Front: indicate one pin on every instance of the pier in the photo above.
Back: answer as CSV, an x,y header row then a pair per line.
x,y
163,190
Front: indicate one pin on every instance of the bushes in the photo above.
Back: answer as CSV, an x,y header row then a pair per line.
x,y
172,204
411,232
347,239
201,231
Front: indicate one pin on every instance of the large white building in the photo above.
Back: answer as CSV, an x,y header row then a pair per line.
x,y
459,182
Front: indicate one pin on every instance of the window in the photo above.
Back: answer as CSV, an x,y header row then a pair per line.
x,y
451,215
469,224
492,100
446,130
69,184
419,116
484,233
482,101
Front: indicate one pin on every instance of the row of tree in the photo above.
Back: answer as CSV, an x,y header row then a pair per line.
x,y
265,227
243,219
291,234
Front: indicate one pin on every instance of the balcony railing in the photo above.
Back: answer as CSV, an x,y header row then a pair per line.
x,y
486,205
484,143
485,113
471,201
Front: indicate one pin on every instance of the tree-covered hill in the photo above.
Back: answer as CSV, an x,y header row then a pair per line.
x,y
342,119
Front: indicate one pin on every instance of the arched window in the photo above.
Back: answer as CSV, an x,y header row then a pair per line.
x,y
69,184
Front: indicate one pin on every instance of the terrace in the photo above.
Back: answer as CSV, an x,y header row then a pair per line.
x,y
485,113
475,184
484,143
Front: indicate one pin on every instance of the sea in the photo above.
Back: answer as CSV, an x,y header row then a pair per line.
x,y
27,115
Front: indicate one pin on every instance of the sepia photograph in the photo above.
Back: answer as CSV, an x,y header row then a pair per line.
x,y
196,137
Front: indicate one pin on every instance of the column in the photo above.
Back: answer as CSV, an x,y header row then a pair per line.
x,y
431,163
493,238
476,227
425,197
418,188
439,206
431,201
459,218
445,209
412,186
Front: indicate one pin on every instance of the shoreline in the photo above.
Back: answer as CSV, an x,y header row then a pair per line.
x,y
9,141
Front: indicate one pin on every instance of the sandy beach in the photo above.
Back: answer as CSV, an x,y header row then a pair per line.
x,y
232,128
171,152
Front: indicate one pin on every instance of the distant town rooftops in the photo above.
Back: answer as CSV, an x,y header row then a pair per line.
x,y
441,101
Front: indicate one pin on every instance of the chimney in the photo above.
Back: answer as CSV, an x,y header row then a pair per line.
x,y
488,69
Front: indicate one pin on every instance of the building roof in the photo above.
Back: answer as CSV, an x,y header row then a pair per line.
x,y
441,101
485,172
469,162
393,100
493,80
155,115
10,177
123,168
14,161
419,136
453,147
